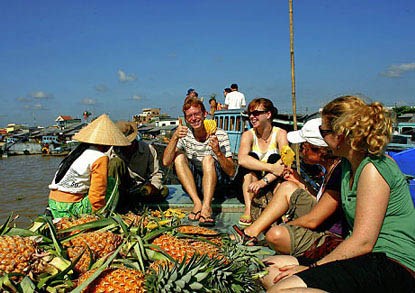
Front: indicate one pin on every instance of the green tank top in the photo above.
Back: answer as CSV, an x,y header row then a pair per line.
x,y
397,235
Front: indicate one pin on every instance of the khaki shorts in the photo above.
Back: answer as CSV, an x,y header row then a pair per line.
x,y
301,203
303,238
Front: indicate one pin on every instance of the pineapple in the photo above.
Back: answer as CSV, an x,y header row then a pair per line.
x,y
100,244
178,248
21,255
115,280
196,230
65,223
202,274
16,254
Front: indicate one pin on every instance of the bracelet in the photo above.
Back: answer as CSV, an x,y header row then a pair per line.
x,y
265,179
313,265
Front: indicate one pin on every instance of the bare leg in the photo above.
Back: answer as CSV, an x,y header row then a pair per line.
x,y
209,183
185,176
275,209
279,239
248,196
292,284
274,263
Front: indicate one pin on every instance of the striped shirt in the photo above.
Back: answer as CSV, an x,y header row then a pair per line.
x,y
196,150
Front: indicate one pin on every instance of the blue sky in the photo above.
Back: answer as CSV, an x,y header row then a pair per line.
x,y
117,57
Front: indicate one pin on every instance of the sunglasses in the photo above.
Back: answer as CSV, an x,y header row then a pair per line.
x,y
257,112
308,147
324,132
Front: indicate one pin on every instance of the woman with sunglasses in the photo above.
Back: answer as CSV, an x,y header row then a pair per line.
x,y
259,154
379,254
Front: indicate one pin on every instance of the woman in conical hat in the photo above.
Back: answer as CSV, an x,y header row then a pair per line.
x,y
80,184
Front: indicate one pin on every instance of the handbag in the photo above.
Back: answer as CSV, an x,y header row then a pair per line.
x,y
331,241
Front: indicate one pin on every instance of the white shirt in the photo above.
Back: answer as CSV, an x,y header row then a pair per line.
x,y
235,100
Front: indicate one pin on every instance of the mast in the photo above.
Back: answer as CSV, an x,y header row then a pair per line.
x,y
293,96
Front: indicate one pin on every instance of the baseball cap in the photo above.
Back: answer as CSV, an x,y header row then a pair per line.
x,y
308,133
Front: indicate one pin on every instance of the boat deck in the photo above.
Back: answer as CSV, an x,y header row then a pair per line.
x,y
226,210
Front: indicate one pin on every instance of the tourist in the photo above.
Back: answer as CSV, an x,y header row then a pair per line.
x,y
310,221
137,168
201,161
379,254
214,106
191,93
259,154
80,184
234,99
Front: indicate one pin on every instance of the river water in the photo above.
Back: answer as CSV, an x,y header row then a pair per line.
x,y
24,184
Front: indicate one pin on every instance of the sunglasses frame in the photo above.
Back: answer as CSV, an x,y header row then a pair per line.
x,y
256,113
324,132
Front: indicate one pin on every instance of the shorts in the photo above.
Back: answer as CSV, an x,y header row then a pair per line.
x,y
222,178
372,272
70,209
302,238
301,203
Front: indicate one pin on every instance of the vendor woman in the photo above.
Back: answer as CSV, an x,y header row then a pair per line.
x,y
80,184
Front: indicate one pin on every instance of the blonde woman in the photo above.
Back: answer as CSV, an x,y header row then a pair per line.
x,y
379,254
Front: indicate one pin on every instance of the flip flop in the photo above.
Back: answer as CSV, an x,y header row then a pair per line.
x,y
196,216
245,220
246,239
207,221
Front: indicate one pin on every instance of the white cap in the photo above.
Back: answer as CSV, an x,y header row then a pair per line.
x,y
308,133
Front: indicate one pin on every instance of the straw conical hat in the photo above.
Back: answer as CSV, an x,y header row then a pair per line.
x,y
102,131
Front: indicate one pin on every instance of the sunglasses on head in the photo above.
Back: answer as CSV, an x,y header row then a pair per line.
x,y
324,132
257,112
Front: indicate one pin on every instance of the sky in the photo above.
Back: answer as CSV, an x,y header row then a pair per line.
x,y
117,57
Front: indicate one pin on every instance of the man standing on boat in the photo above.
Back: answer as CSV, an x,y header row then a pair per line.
x,y
201,160
235,99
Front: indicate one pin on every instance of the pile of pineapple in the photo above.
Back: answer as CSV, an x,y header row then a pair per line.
x,y
150,252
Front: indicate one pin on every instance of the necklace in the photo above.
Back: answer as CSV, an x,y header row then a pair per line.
x,y
268,137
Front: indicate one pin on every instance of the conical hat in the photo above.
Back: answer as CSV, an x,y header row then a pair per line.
x,y
102,131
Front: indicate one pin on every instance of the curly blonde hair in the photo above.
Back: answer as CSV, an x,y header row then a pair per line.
x,y
367,126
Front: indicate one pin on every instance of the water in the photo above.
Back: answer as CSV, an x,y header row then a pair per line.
x,y
24,184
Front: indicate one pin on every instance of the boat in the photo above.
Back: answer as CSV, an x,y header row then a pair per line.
x,y
21,146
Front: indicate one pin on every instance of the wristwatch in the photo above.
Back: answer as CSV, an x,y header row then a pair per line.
x,y
265,180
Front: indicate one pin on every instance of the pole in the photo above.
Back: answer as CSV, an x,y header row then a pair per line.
x,y
293,97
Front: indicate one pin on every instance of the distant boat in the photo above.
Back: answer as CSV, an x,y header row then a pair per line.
x,y
22,148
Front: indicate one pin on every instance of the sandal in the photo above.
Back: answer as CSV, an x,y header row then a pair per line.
x,y
245,220
207,221
246,239
196,216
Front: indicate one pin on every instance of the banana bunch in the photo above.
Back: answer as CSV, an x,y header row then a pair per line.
x,y
287,155
155,224
210,126
169,213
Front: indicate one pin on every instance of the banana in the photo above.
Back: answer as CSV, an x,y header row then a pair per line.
x,y
287,155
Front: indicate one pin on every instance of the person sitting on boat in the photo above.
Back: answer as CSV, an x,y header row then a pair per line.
x,y
201,160
310,221
379,254
137,168
80,183
258,155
